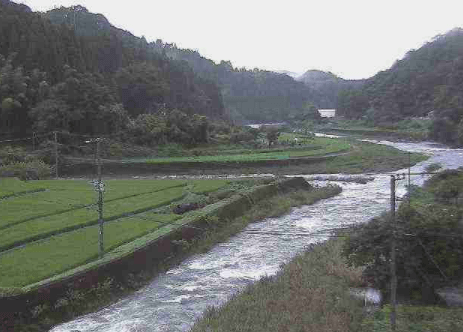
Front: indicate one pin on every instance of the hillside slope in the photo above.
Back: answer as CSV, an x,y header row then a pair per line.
x,y
249,95
427,81
327,86
71,70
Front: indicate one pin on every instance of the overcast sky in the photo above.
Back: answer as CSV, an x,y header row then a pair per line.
x,y
351,38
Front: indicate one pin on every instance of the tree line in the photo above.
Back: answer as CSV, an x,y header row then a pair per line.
x,y
426,82
85,76
249,95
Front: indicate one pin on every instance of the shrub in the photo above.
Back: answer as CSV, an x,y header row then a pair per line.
x,y
432,167
9,155
429,252
31,170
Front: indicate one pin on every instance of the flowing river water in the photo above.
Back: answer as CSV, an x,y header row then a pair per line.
x,y
175,299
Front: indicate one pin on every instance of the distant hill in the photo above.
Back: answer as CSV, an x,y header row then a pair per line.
x,y
249,95
318,76
429,79
327,86
289,73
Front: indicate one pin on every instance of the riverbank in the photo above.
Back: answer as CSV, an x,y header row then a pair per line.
x,y
362,157
377,133
310,293
79,301
175,300
313,293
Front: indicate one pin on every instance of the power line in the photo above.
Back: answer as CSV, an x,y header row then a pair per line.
x,y
26,138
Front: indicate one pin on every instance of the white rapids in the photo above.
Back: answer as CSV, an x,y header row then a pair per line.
x,y
175,299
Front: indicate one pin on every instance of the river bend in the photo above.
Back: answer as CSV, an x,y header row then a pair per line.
x,y
175,299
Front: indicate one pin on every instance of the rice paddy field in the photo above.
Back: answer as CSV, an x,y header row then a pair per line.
x,y
48,227
309,148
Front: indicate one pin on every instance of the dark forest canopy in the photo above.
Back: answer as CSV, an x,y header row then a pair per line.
x,y
69,69
138,77
56,76
249,95
427,81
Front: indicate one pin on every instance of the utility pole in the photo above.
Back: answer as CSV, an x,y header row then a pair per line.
x,y
100,201
393,262
409,176
56,153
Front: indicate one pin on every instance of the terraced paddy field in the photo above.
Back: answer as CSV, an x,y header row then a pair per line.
x,y
310,148
49,227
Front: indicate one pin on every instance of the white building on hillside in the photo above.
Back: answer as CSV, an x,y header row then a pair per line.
x,y
327,113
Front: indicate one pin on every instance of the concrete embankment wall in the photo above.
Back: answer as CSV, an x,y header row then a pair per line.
x,y
142,254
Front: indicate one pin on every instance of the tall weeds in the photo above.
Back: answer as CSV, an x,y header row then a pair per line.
x,y
311,293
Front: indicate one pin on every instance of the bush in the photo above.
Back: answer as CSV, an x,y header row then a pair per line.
x,y
10,154
429,254
431,168
31,170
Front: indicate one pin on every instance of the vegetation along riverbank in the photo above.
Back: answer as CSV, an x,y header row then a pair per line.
x,y
311,293
320,155
213,225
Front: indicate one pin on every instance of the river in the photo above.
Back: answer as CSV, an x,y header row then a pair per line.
x,y
175,299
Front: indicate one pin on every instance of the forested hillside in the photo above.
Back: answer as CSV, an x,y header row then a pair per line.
x,y
87,77
427,81
327,86
249,95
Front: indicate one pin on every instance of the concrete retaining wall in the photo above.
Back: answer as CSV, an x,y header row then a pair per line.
x,y
142,254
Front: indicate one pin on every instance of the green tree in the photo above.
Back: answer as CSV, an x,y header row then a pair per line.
x,y
272,134
430,255
142,88
310,112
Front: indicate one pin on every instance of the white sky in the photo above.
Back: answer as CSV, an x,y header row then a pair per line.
x,y
351,38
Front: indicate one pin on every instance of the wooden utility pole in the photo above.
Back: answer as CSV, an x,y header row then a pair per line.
x,y
393,262
100,201
409,180
56,154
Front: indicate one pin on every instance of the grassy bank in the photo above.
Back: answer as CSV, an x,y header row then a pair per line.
x,y
429,256
311,293
316,147
361,157
411,129
416,318
415,135
75,303
368,157
364,157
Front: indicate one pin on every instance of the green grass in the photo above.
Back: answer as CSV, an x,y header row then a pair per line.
x,y
90,300
14,186
416,319
317,142
311,293
415,129
68,239
203,187
43,259
317,147
65,195
366,157
47,226
52,201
